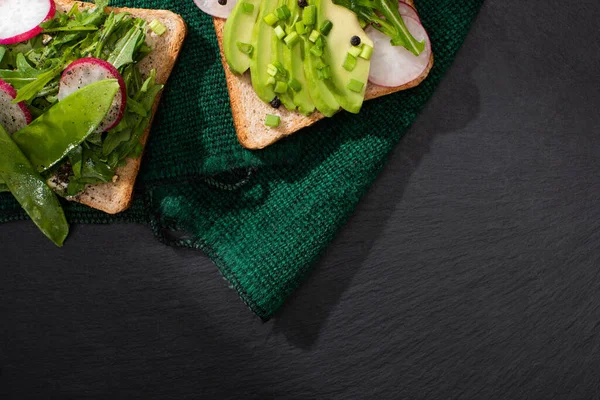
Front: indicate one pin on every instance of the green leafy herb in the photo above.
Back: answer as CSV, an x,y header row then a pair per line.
x,y
124,50
384,16
34,69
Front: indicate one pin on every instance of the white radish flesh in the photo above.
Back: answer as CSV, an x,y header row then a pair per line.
x,y
20,19
408,11
13,117
215,9
85,71
394,66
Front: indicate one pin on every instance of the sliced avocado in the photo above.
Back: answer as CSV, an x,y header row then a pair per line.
x,y
262,41
319,92
238,29
294,63
277,51
337,44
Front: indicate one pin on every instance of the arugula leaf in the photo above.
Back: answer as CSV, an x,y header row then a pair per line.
x,y
31,89
2,52
123,52
71,28
75,159
114,139
112,22
136,107
23,75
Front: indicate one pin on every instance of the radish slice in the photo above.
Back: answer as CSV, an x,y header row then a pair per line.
x,y
394,65
408,11
20,20
13,117
215,9
85,71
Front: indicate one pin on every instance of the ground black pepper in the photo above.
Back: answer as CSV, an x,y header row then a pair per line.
x,y
276,103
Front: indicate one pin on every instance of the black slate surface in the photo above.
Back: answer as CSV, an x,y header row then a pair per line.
x,y
469,271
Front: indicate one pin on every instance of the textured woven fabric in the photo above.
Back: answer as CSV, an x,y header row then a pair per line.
x,y
264,217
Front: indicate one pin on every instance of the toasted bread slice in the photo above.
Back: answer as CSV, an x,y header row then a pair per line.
x,y
116,196
249,111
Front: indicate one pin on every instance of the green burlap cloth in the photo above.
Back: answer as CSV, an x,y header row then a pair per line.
x,y
263,217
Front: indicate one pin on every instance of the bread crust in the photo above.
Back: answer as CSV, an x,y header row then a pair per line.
x,y
248,110
115,197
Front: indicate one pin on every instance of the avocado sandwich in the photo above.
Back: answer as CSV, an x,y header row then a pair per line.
x,y
290,63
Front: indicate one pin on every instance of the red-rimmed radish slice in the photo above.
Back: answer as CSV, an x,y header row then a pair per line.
x,y
394,65
408,11
13,117
20,19
216,9
85,71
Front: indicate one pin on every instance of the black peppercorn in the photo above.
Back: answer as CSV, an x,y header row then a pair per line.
x,y
355,41
275,103
222,2
302,3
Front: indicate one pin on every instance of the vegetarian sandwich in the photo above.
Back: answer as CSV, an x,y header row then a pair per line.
x,y
79,85
290,63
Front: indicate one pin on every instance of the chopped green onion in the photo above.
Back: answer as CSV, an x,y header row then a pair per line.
x,y
300,28
270,19
320,64
271,80
291,39
272,120
283,12
248,8
316,51
313,36
320,41
295,84
157,27
324,73
272,70
350,62
245,48
366,52
355,86
326,27
280,87
280,67
309,15
355,51
279,32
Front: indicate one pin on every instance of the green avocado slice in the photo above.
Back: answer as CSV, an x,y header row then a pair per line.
x,y
238,28
318,89
337,44
262,41
277,51
294,63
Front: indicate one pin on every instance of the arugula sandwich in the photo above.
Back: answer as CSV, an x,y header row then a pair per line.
x,y
79,86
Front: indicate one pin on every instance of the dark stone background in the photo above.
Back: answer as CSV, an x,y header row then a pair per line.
x,y
470,270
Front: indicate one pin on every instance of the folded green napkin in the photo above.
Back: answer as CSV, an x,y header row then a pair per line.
x,y
263,217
